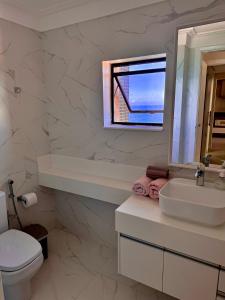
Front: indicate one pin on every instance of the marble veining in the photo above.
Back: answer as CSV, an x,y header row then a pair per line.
x,y
82,264
60,111
24,131
73,56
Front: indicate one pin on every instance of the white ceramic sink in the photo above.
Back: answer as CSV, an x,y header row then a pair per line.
x,y
183,199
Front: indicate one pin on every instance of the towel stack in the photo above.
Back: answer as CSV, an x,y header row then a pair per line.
x,y
151,183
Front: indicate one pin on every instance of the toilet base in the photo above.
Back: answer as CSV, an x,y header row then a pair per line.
x,y
17,284
20,291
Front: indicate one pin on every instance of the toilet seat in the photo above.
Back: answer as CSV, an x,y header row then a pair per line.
x,y
17,250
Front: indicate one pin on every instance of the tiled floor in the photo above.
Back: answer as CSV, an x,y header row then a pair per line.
x,y
84,270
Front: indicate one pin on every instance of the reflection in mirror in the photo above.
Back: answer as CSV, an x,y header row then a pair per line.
x,y
213,134
199,110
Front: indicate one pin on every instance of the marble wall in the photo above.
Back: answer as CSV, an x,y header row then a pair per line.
x,y
23,118
83,259
59,109
67,117
73,56
72,60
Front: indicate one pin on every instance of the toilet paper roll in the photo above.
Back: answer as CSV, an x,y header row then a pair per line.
x,y
29,199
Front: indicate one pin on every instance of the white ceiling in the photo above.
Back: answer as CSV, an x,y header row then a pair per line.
x,y
43,7
44,15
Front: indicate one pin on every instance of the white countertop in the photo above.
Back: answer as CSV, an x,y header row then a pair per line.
x,y
103,181
142,218
100,188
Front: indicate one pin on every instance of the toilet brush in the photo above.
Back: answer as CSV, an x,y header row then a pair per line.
x,y
12,196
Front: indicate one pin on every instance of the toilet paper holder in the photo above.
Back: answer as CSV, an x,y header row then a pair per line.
x,y
21,199
28,199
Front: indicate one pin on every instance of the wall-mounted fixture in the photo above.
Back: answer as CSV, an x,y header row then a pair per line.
x,y
17,90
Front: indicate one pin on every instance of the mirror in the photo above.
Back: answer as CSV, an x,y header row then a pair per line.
x,y
199,108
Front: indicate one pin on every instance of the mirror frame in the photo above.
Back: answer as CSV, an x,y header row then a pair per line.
x,y
212,167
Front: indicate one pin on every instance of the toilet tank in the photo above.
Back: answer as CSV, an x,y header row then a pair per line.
x,y
3,213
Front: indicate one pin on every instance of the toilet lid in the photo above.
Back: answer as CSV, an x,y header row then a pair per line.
x,y
17,249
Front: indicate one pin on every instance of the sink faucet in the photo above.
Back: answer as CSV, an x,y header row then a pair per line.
x,y
200,175
206,160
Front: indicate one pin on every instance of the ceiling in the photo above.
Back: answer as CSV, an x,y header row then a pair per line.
x,y
44,15
43,7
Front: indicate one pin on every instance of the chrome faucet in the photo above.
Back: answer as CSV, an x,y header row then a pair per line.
x,y
200,175
206,160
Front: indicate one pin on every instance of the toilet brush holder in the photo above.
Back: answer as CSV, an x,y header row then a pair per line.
x,y
37,231
40,233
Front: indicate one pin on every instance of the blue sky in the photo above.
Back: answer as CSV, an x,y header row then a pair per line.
x,y
147,89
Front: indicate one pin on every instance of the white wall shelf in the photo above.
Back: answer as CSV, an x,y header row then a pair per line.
x,y
100,180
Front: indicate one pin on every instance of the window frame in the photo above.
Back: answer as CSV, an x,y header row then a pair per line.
x,y
108,91
137,72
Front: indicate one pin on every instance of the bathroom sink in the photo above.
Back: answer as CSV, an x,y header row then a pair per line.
x,y
183,199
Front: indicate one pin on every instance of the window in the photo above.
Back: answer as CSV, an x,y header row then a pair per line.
x,y
137,89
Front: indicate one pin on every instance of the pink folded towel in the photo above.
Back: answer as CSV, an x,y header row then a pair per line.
x,y
141,186
155,186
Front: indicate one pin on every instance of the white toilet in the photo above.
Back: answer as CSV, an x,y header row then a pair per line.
x,y
20,258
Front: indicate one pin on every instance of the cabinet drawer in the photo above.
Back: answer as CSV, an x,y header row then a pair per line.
x,y
186,279
141,262
221,286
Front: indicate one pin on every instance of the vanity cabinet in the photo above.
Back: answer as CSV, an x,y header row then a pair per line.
x,y
179,258
141,262
187,279
174,274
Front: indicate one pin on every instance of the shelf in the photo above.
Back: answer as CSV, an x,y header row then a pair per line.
x,y
95,179
218,130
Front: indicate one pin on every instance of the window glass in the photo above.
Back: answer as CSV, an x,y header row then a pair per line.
x,y
138,93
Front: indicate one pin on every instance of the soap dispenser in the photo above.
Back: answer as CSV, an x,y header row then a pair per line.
x,y
220,182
